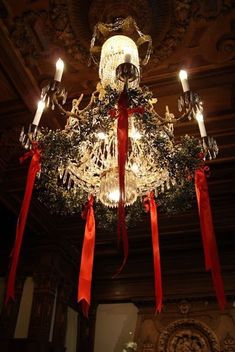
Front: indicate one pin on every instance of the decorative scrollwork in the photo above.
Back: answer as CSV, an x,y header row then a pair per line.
x,y
188,335
228,343
211,10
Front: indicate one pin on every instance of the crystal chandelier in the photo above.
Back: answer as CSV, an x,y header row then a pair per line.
x,y
117,151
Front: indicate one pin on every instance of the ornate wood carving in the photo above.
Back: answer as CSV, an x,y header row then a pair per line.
x,y
43,300
8,317
184,307
166,26
188,335
228,343
148,347
63,299
210,10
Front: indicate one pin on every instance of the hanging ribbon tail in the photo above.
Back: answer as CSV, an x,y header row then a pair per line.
x,y
212,262
123,231
34,168
152,208
122,137
87,259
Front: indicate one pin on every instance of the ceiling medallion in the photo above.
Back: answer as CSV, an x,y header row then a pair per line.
x,y
166,21
118,156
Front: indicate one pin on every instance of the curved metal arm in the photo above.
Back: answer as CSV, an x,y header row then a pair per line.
x,y
210,148
191,103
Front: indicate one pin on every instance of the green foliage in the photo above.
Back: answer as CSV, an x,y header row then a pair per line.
x,y
58,147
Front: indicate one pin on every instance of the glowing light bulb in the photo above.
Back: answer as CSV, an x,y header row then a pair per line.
x,y
59,70
134,167
114,195
199,116
183,75
135,134
101,135
184,80
38,114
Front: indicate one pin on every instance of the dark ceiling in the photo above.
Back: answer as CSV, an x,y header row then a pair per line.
x,y
197,35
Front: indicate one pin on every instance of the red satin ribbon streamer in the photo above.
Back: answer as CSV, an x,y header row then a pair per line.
x,y
34,168
151,207
212,262
122,136
86,267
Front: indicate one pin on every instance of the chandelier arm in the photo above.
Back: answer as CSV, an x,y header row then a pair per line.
x,y
90,102
80,112
63,111
176,120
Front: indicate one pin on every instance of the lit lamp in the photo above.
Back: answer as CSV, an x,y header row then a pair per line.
x,y
119,59
184,80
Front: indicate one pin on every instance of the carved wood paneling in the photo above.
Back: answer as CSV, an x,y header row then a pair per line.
x,y
186,326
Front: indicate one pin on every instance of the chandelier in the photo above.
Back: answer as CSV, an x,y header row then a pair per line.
x,y
118,153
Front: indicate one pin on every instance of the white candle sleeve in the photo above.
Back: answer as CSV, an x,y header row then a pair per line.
x,y
38,113
184,80
59,70
185,85
202,128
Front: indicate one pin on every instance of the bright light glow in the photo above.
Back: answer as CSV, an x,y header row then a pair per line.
x,y
38,114
114,195
127,54
60,64
199,117
183,75
41,105
135,167
135,134
116,50
101,135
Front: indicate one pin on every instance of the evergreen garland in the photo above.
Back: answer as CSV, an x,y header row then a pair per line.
x,y
60,146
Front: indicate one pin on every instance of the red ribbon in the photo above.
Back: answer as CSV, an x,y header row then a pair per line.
x,y
151,207
86,267
122,137
34,168
212,262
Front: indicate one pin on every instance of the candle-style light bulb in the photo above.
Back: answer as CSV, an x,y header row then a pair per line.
x,y
127,58
127,55
201,125
59,70
184,80
38,114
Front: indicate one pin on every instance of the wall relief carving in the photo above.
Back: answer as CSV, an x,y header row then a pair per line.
x,y
228,344
184,307
187,335
210,10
